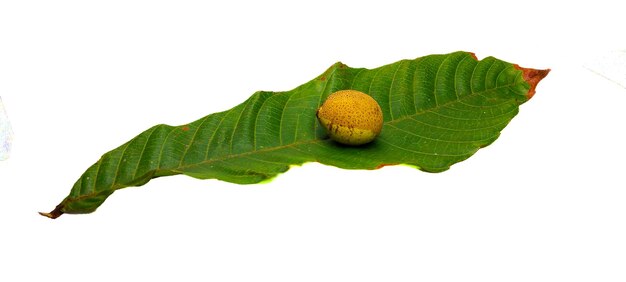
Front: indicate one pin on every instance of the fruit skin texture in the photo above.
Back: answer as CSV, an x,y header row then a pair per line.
x,y
351,117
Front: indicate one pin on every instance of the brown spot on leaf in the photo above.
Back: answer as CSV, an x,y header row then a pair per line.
x,y
383,165
185,128
532,76
323,78
473,55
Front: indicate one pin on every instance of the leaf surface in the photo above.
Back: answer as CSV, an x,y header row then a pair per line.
x,y
438,110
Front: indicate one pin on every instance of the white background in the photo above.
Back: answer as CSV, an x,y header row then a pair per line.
x,y
545,202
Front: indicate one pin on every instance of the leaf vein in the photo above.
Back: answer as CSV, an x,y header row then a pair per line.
x,y
117,168
219,125
142,151
456,72
193,139
163,146
393,79
437,79
256,120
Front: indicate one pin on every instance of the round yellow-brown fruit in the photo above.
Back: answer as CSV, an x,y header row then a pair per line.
x,y
351,117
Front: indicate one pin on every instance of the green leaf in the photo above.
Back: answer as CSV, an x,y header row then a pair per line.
x,y
438,110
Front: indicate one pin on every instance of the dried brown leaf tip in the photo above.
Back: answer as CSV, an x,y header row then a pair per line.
x,y
533,77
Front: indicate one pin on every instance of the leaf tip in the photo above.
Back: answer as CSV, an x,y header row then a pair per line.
x,y
533,77
53,214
